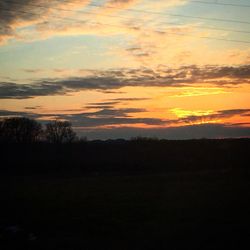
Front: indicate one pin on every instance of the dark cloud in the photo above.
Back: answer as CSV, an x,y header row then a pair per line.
x,y
108,113
123,116
242,72
103,105
109,80
90,127
111,91
111,103
98,106
9,113
173,133
57,86
113,116
139,52
92,119
33,107
4,113
129,99
16,14
209,73
133,49
81,121
13,12
110,117
9,90
231,112
222,114
94,82
245,124
112,80
90,124
33,71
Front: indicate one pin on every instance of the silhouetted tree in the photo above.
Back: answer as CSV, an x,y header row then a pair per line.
x,y
20,130
1,130
60,132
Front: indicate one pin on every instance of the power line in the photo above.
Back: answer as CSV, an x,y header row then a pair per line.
x,y
176,15
129,18
134,27
222,4
213,38
215,28
161,13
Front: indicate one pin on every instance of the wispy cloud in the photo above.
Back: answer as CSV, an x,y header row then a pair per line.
x,y
201,117
202,91
225,76
18,14
147,40
111,103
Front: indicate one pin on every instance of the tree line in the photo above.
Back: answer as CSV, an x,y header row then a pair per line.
x,y
26,130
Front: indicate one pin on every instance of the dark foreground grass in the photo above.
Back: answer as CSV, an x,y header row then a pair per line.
x,y
172,211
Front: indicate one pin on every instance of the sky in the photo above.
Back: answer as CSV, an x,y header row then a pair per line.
x,y
174,69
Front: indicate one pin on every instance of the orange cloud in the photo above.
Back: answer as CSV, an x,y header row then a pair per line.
x,y
181,113
192,92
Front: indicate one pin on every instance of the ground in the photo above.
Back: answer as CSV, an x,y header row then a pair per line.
x,y
188,210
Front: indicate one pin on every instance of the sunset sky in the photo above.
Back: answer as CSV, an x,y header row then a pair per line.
x,y
174,69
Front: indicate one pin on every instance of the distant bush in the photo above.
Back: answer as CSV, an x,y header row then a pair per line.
x,y
144,139
59,132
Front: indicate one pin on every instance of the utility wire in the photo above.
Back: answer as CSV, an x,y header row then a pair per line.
x,y
135,28
129,18
175,15
162,13
222,4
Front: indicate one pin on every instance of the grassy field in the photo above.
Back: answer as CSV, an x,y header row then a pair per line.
x,y
205,210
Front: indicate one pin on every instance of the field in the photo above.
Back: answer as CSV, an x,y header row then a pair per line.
x,y
198,209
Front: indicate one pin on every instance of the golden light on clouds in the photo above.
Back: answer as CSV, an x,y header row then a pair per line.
x,y
181,113
125,64
192,92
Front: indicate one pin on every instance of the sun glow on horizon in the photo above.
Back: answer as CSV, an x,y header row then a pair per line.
x,y
138,64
